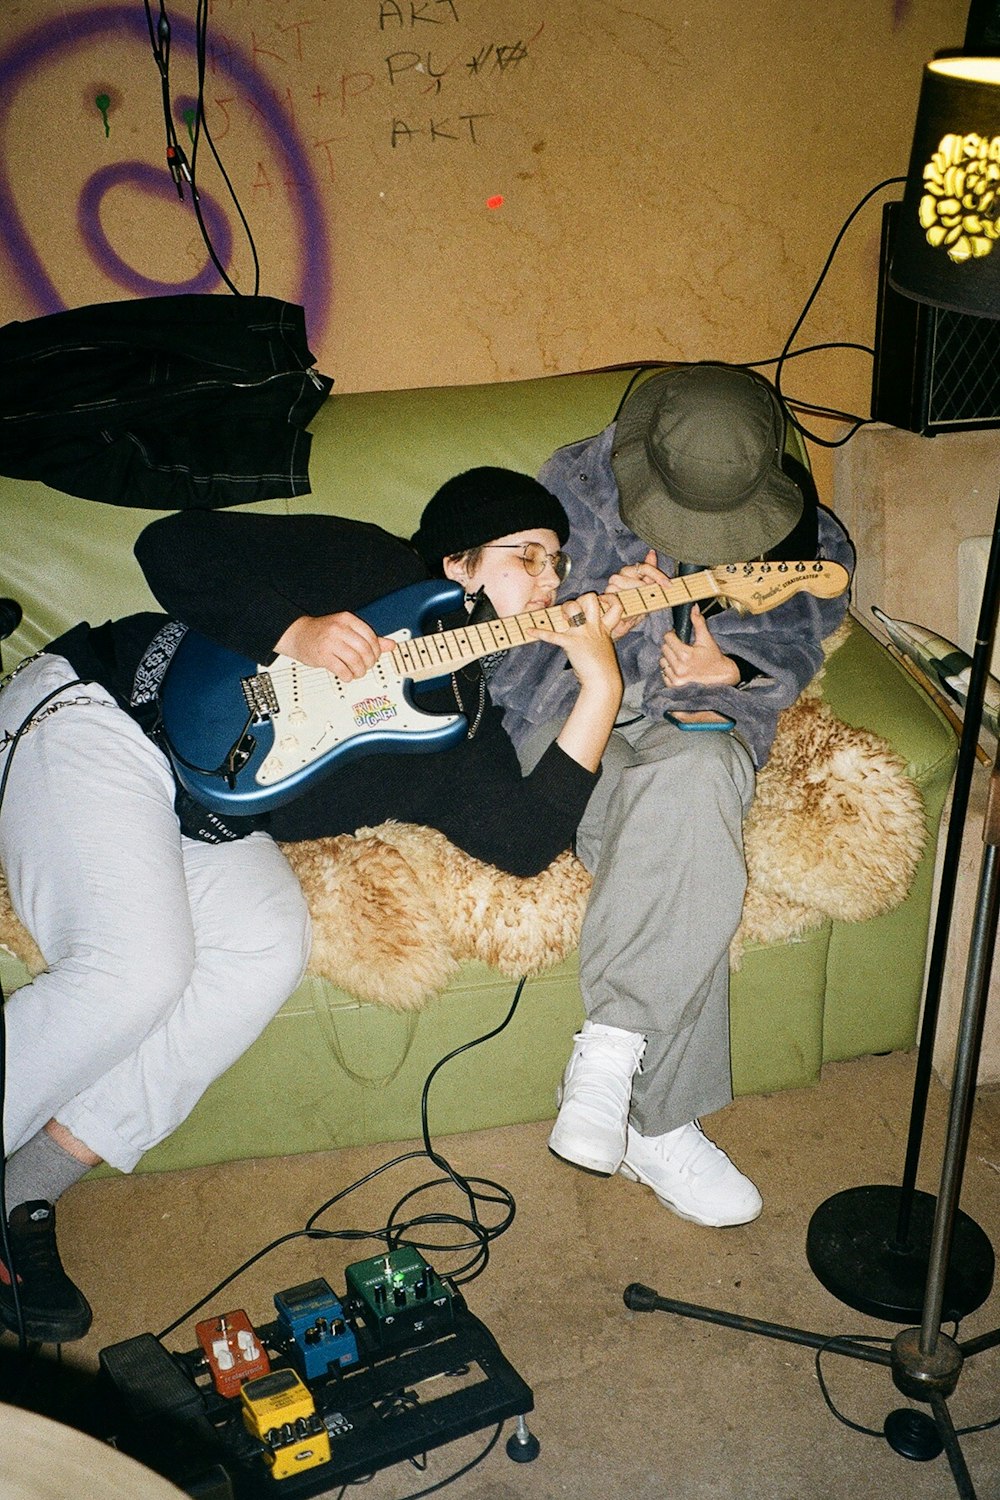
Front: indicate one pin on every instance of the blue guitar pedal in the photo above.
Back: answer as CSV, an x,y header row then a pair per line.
x,y
318,1335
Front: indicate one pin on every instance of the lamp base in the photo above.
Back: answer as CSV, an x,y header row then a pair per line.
x,y
912,1434
852,1251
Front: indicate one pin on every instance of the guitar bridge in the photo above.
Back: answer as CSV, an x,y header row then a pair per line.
x,y
261,699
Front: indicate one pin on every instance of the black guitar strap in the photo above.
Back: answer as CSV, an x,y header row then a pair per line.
x,y
155,660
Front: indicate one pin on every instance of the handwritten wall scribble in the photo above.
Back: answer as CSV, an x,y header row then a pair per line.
x,y
415,13
462,191
427,74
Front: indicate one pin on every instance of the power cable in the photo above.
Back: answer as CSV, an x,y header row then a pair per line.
x,y
177,163
393,1234
786,351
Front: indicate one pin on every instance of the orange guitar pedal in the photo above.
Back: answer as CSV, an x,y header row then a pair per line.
x,y
233,1351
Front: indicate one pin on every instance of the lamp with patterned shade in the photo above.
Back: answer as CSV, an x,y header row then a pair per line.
x,y
947,242
891,1249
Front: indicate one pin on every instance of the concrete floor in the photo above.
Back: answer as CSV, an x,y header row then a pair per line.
x,y
630,1404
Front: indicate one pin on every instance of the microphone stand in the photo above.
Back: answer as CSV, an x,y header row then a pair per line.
x,y
870,1246
924,1362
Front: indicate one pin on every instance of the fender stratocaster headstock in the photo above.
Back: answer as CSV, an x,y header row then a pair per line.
x,y
758,587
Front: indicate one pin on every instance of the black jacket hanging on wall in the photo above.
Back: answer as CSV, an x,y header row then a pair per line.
x,y
164,403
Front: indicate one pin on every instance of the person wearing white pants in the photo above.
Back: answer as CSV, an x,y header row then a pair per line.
x,y
166,957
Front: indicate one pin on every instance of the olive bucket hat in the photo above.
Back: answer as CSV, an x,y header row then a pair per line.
x,y
697,458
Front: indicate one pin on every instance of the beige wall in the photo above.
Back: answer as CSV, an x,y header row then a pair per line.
x,y
672,175
908,501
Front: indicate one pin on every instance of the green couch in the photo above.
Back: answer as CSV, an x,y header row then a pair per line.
x,y
329,1071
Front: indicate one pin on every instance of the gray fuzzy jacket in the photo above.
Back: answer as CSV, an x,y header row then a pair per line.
x,y
535,684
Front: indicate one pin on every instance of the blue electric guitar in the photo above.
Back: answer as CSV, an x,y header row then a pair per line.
x,y
244,738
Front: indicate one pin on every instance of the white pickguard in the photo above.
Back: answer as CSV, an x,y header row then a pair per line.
x,y
318,711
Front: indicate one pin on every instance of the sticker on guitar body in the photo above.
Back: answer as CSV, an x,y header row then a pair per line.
x,y
370,712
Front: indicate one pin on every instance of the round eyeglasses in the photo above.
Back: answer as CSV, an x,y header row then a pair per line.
x,y
535,558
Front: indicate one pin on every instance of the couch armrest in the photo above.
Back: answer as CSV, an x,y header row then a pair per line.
x,y
875,969
864,685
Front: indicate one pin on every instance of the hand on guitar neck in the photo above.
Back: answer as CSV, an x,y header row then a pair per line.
x,y
682,663
589,644
629,577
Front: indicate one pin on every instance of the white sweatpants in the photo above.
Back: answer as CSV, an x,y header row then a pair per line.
x,y
166,957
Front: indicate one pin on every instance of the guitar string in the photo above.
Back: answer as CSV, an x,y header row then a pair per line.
x,y
646,594
470,733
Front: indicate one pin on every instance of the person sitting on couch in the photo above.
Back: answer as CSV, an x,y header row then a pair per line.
x,y
173,935
693,471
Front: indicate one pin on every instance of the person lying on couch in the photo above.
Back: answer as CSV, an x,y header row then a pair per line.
x,y
692,471
173,934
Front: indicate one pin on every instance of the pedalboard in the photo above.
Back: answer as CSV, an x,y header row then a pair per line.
x,y
329,1392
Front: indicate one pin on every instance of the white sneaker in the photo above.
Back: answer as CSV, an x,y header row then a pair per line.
x,y
595,1096
692,1176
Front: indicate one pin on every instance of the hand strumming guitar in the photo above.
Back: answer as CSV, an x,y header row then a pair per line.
x,y
342,643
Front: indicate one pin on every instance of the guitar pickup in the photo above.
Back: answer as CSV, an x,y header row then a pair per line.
x,y
261,699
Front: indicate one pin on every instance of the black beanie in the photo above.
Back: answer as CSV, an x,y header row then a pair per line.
x,y
478,506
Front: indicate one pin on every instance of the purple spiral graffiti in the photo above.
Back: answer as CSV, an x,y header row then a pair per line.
x,y
50,39
157,184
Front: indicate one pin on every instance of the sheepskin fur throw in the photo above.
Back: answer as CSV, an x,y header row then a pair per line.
x,y
836,830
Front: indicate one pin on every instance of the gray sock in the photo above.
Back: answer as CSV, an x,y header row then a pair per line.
x,y
40,1169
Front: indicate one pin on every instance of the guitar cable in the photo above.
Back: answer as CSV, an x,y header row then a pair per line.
x,y
392,1233
469,1187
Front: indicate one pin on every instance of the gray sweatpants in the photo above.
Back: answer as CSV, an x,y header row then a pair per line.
x,y
166,957
663,837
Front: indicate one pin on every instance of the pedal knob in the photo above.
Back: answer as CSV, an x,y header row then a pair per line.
x,y
223,1354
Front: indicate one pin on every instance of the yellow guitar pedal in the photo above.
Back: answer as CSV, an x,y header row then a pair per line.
x,y
279,1411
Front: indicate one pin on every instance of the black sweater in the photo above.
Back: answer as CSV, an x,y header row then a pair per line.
x,y
241,579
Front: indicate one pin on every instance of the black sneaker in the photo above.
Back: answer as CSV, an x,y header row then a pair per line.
x,y
54,1310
